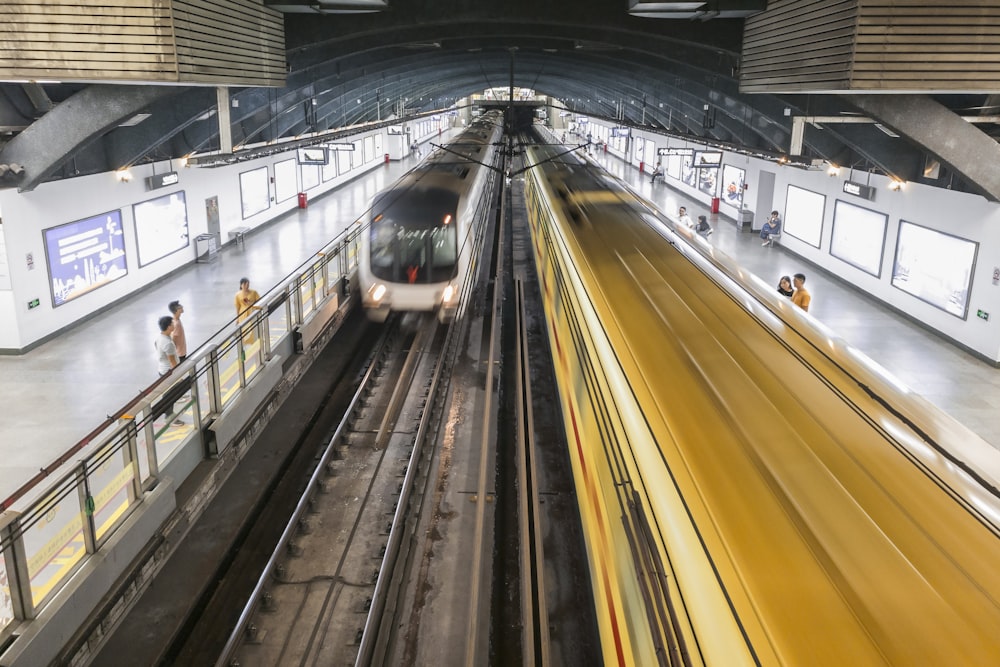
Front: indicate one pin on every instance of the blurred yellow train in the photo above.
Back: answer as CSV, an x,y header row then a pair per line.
x,y
752,490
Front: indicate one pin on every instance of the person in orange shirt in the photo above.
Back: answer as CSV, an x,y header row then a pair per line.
x,y
802,297
246,299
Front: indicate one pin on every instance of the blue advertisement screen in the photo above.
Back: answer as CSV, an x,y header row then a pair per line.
x,y
84,255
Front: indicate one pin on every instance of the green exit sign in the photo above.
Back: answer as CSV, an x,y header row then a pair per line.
x,y
34,303
982,314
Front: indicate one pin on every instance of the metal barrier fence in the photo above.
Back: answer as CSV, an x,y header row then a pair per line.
x,y
44,543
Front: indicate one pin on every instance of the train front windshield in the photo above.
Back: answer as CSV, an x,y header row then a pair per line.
x,y
414,238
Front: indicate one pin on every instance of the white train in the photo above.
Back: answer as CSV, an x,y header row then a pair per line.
x,y
417,250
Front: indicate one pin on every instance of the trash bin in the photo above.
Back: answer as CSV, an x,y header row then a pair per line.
x,y
303,200
745,221
205,248
715,204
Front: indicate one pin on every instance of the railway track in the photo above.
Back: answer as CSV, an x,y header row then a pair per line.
x,y
310,603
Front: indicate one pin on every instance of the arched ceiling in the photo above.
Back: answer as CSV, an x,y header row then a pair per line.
x,y
420,56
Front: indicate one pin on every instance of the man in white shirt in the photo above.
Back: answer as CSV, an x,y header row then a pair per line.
x,y
684,218
166,357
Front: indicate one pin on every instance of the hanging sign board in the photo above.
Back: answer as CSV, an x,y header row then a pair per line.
x,y
859,190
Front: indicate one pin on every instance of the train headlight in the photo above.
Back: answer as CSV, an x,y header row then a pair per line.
x,y
449,294
378,292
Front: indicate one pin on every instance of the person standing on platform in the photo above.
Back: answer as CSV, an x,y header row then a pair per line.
x,y
178,336
802,297
785,287
246,299
684,218
166,361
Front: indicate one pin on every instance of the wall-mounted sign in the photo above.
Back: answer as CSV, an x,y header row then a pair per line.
x,y
394,129
581,120
312,155
676,151
162,180
707,159
340,147
859,190
619,131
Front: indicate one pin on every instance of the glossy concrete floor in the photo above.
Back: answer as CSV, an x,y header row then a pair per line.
x,y
54,395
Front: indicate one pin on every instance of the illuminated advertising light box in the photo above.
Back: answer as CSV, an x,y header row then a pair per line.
x,y
674,166
707,159
731,193
310,176
254,193
286,182
312,155
85,255
707,181
161,227
935,267
858,236
689,174
804,215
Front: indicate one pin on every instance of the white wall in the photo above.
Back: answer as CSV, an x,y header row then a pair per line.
x,y
26,214
960,214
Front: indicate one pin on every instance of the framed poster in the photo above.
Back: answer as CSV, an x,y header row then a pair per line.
x,y
310,176
935,267
255,195
804,215
161,227
858,236
689,174
731,193
286,183
674,166
344,161
369,148
707,181
84,255
330,168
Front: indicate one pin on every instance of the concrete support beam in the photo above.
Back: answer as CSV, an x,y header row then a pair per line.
x,y
948,136
224,118
89,114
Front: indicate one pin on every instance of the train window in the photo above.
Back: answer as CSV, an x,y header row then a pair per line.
x,y
410,241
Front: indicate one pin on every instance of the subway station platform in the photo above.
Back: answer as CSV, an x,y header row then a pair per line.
x,y
58,392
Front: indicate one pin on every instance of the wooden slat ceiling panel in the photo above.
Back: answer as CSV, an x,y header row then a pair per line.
x,y
236,42
897,45
796,44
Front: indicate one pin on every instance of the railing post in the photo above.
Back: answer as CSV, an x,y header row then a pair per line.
x,y
325,270
214,382
86,508
298,301
130,454
265,335
15,563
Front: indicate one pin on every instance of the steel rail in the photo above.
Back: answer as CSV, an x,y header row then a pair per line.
x,y
303,505
535,648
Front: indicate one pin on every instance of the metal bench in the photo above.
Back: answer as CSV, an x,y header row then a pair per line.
x,y
238,235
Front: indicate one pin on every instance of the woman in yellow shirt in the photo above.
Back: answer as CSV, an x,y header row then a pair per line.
x,y
246,299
